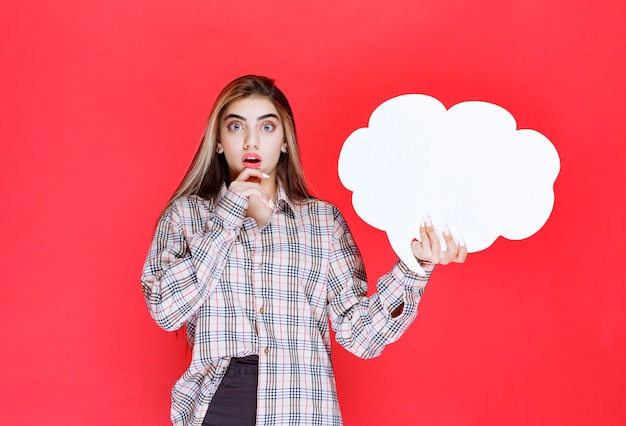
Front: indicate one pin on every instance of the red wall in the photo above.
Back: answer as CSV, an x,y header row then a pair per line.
x,y
102,106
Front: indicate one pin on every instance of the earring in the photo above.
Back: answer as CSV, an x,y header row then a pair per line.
x,y
219,150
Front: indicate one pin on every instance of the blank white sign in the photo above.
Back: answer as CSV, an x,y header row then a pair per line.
x,y
468,169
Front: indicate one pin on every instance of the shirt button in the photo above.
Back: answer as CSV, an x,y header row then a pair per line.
x,y
260,266
266,351
262,310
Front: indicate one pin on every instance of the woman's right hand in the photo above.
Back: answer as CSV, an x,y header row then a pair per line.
x,y
248,184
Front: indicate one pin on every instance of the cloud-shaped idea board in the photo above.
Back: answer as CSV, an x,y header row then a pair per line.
x,y
467,168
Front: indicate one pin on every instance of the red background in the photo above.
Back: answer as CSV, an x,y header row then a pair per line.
x,y
102,106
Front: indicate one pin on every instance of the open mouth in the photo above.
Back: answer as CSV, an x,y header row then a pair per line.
x,y
252,161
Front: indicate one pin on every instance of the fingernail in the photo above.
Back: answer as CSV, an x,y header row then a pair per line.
x,y
446,232
266,176
272,206
428,223
462,242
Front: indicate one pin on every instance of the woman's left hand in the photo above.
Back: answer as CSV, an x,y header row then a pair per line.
x,y
429,248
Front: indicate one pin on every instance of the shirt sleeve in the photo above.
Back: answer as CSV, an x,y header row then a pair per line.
x,y
364,325
187,258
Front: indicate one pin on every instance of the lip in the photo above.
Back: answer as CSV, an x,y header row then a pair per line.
x,y
251,156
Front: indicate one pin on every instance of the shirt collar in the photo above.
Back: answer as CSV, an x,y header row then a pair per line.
x,y
282,199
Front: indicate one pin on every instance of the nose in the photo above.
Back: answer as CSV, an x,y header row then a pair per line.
x,y
251,140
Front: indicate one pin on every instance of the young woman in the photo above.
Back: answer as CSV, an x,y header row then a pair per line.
x,y
255,267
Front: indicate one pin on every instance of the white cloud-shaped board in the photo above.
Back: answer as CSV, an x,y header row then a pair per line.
x,y
467,168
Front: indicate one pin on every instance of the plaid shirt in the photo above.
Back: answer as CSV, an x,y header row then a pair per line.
x,y
271,292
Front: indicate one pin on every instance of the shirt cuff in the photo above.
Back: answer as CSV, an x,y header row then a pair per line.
x,y
410,278
230,209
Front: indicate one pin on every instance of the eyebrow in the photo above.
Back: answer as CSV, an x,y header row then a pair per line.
x,y
262,117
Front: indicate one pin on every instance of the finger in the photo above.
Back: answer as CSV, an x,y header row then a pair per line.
x,y
244,175
419,252
451,247
425,251
416,248
251,190
435,244
261,195
424,238
265,199
422,249
248,175
462,255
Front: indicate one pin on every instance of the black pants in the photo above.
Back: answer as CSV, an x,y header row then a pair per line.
x,y
234,402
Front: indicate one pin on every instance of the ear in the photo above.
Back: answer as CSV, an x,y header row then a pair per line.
x,y
220,148
283,148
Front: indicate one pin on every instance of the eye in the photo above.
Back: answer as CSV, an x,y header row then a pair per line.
x,y
268,127
234,126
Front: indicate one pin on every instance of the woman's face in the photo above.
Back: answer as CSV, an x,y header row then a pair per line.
x,y
251,135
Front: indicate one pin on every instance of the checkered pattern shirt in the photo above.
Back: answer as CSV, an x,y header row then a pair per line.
x,y
270,292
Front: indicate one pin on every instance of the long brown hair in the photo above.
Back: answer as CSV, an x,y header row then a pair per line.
x,y
209,170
